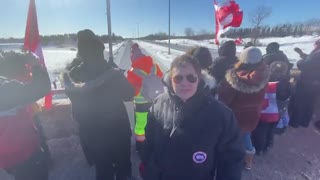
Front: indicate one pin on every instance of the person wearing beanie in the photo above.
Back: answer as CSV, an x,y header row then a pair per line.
x,y
203,55
227,58
97,92
274,54
243,90
306,89
139,75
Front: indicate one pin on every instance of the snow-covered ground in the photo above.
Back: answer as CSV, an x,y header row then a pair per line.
x,y
160,53
287,44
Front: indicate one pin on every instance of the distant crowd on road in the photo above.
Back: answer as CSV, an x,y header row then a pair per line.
x,y
205,118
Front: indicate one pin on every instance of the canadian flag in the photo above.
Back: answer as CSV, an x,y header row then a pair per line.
x,y
32,43
227,15
238,41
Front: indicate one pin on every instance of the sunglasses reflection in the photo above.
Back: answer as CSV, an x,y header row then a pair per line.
x,y
190,78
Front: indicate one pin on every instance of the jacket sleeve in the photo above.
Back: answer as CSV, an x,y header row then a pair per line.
x,y
14,93
126,90
230,151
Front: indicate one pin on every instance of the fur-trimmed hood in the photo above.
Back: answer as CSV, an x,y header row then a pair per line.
x,y
248,81
207,81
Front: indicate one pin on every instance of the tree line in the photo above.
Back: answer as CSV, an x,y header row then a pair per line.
x,y
65,39
311,27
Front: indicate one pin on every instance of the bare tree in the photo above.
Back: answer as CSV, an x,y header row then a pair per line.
x,y
257,16
189,31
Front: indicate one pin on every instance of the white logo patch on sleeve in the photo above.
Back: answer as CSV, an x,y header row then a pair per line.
x,y
199,157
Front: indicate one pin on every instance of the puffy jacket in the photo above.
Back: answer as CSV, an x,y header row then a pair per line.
x,y
243,91
191,140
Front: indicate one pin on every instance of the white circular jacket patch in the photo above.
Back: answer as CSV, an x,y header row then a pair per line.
x,y
199,157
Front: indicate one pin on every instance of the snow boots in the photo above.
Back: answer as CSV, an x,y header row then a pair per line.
x,y
249,159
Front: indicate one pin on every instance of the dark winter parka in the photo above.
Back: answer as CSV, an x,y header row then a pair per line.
x,y
191,140
302,103
274,54
97,93
227,58
243,91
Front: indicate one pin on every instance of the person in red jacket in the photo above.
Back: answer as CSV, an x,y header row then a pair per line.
x,y
144,64
22,152
243,90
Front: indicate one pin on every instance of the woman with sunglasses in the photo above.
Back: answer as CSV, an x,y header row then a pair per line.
x,y
189,134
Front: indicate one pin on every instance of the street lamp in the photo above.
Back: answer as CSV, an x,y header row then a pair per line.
x,y
169,28
138,30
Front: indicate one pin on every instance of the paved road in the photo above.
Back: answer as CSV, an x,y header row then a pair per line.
x,y
214,52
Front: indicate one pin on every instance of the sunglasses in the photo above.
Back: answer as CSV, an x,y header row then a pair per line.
x,y
190,78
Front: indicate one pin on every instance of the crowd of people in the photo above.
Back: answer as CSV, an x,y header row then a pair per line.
x,y
204,118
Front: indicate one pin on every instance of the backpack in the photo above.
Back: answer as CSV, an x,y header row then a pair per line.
x,y
151,84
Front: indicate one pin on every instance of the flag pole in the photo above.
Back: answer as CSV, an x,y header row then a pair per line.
x,y
109,32
169,44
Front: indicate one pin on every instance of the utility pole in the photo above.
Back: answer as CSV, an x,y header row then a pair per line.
x,y
109,32
169,28
138,30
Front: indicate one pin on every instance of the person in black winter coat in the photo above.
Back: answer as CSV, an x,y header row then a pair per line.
x,y
227,58
97,93
274,54
190,135
308,85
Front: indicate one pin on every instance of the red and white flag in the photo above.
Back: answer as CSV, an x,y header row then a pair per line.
x,y
32,42
227,15
238,41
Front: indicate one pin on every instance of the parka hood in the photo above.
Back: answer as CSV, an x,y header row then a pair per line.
x,y
248,81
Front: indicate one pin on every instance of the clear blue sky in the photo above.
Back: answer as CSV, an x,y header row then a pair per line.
x,y
69,16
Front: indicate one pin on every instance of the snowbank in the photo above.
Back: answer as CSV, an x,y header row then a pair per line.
x,y
287,44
